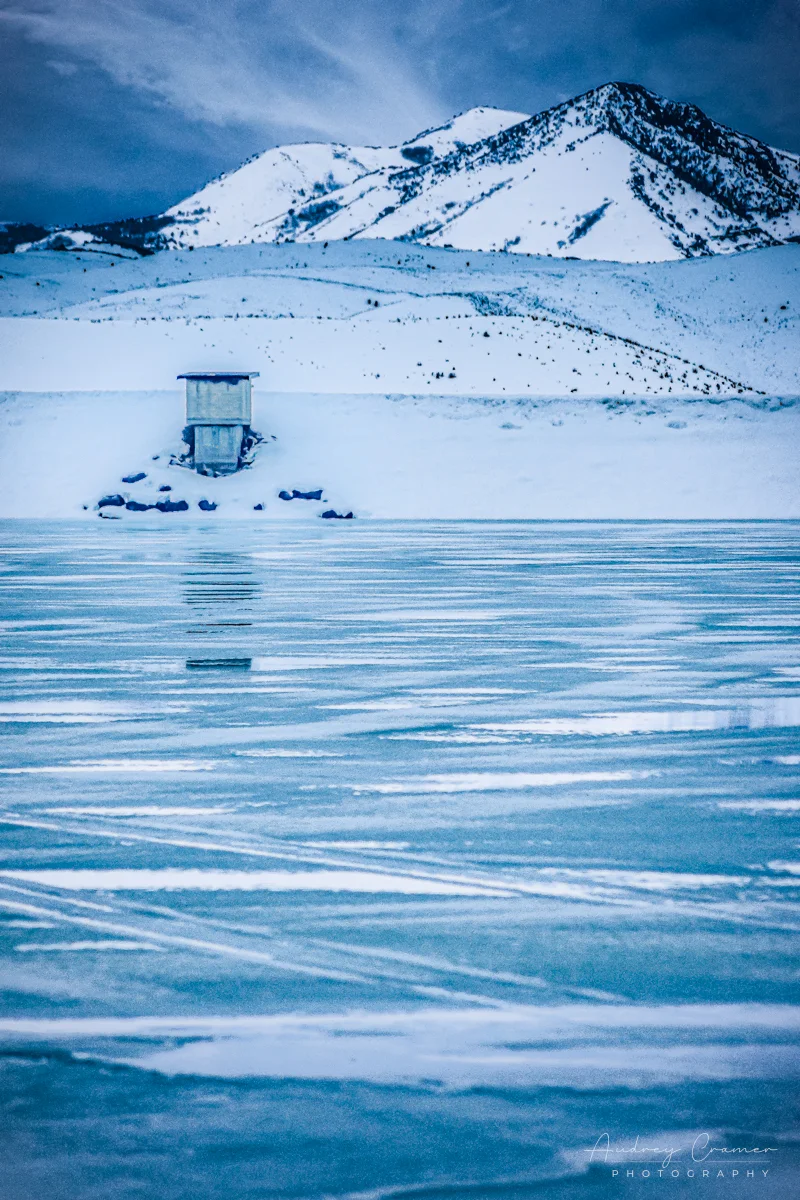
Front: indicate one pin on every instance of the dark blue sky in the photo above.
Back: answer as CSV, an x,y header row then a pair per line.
x,y
121,107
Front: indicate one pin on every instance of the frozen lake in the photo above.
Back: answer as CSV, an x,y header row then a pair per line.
x,y
399,859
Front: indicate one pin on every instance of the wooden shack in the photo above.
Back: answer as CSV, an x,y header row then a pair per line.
x,y
218,416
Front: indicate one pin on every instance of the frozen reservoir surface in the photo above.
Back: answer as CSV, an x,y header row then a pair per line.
x,y
399,859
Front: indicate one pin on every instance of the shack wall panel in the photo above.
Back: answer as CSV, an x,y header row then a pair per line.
x,y
217,447
218,401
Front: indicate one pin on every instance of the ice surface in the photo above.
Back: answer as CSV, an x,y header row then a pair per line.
x,y
365,984
176,879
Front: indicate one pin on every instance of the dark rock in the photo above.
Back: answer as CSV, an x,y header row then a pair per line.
x,y
167,506
165,487
206,505
260,507
135,506
294,494
331,514
134,478
115,501
250,440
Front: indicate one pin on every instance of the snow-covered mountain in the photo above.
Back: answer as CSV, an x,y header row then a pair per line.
x,y
618,173
245,205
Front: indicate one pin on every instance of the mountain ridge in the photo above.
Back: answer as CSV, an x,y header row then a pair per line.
x,y
617,173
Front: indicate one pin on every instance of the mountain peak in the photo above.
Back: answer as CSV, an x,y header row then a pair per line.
x,y
616,173
471,126
744,175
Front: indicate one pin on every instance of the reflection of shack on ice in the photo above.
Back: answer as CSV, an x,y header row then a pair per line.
x,y
218,416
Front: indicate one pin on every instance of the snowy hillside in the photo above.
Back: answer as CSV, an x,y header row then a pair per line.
x,y
617,174
241,206
364,316
407,381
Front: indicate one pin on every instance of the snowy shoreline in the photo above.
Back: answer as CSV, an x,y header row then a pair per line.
x,y
413,457
407,383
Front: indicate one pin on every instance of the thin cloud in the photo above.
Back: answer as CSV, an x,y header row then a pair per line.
x,y
64,69
169,93
258,65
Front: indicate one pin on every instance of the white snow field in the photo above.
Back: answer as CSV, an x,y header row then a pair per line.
x,y
408,382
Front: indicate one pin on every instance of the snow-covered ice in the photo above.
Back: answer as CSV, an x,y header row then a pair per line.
x,y
516,861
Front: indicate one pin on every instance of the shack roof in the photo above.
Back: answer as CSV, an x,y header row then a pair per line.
x,y
219,375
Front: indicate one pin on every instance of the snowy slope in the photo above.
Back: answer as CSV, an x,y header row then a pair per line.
x,y
236,207
360,316
408,381
616,174
408,457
